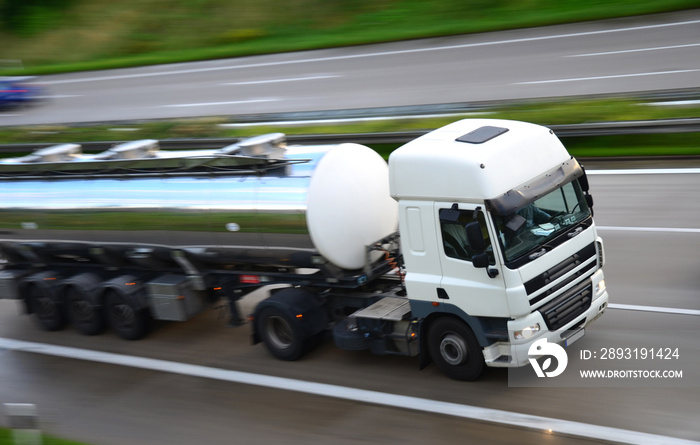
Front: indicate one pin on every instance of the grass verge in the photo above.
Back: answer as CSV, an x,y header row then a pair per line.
x,y
79,35
7,439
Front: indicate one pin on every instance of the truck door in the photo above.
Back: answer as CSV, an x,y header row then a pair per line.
x,y
465,288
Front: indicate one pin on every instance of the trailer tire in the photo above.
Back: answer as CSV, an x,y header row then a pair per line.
x,y
126,319
280,333
86,317
455,349
46,306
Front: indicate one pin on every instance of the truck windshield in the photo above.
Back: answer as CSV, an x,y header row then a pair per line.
x,y
537,225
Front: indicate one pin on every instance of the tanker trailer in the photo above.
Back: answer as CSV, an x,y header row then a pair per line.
x,y
134,232
474,279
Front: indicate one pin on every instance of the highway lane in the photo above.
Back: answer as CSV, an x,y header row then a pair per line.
x,y
97,404
631,203
107,404
645,53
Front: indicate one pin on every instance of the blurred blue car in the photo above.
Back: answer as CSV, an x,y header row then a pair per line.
x,y
14,93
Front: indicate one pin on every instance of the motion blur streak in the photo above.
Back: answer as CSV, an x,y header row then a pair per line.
x,y
658,48
537,423
617,76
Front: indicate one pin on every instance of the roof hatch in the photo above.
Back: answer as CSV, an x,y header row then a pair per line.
x,y
482,134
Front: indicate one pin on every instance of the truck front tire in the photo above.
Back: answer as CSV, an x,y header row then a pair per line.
x,y
454,349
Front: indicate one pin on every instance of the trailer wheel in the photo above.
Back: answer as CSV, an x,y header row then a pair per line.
x,y
454,349
85,316
46,306
128,321
280,333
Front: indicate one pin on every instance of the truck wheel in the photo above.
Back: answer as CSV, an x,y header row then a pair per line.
x,y
281,335
454,349
46,306
85,316
125,319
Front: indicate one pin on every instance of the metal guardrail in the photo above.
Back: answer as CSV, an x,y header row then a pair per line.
x,y
628,127
574,130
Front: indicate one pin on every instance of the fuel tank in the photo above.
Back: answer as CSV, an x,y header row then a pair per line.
x,y
288,206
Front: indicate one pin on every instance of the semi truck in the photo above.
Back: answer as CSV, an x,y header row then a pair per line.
x,y
476,240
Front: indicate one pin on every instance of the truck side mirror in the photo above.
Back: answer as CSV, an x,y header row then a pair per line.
x,y
480,260
583,181
475,236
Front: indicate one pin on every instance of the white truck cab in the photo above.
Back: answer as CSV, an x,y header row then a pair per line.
x,y
497,232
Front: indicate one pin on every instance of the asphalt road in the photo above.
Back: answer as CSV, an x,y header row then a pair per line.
x,y
647,53
108,404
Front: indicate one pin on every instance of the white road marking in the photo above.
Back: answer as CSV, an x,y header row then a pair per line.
x,y
363,55
208,104
543,424
657,48
291,79
661,310
650,229
616,76
674,103
645,171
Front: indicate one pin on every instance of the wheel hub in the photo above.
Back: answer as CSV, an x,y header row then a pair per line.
x,y
279,332
453,349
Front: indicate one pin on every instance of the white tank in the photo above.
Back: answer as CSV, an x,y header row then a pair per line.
x,y
348,204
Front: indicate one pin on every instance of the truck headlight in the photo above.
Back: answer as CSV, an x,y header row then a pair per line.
x,y
600,287
527,332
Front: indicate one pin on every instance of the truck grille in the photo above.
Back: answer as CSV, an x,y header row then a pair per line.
x,y
571,263
568,305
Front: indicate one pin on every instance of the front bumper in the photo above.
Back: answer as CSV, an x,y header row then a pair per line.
x,y
515,352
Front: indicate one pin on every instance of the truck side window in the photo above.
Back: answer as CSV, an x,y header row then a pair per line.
x,y
454,235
